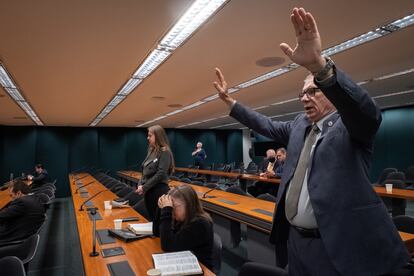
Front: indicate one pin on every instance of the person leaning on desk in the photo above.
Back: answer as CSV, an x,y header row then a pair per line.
x,y
39,178
335,222
156,169
182,224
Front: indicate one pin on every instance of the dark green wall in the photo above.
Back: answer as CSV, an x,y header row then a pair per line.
x,y
63,149
394,142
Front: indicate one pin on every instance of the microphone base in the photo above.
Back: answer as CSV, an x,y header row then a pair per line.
x,y
94,254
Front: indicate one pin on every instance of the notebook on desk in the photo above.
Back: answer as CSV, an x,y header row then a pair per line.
x,y
126,235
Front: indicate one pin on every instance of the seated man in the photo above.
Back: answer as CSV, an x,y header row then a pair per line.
x,y
267,169
281,157
40,177
22,216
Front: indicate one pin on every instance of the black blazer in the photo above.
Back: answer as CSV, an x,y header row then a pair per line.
x,y
357,232
21,218
156,170
39,179
197,236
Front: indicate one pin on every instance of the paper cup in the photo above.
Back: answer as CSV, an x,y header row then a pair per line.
x,y
154,272
108,205
118,224
388,188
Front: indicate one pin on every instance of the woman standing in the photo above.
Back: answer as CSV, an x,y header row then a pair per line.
x,y
156,169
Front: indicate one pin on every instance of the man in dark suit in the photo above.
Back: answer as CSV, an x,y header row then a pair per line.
x,y
326,207
22,216
40,177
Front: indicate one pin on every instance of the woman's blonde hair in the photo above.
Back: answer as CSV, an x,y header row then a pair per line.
x,y
193,208
161,143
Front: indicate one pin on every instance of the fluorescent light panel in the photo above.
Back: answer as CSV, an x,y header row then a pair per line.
x,y
194,17
361,39
9,85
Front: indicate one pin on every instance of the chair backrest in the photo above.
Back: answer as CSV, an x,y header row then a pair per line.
x,y
43,198
235,190
267,197
24,251
185,180
12,266
133,198
217,247
141,209
409,174
198,183
384,174
399,184
211,185
173,177
404,223
124,191
395,176
117,187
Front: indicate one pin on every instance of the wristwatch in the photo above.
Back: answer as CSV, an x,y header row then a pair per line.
x,y
325,70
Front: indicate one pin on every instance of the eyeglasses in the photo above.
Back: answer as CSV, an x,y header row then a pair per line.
x,y
310,92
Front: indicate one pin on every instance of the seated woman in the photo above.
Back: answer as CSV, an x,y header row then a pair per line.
x,y
182,224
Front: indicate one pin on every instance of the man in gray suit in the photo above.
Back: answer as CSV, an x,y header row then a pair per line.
x,y
334,222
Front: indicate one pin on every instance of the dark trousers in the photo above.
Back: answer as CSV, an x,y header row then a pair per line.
x,y
151,198
307,256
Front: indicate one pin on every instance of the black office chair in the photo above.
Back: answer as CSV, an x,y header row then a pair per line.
x,y
384,175
12,266
186,180
404,223
396,205
267,197
395,176
211,185
198,183
24,251
43,198
409,175
407,270
217,247
124,191
141,209
235,190
251,268
175,178
117,187
133,198
235,227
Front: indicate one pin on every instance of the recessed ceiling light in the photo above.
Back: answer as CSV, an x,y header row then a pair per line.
x,y
158,99
175,105
270,61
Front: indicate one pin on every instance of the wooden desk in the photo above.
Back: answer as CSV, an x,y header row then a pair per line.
x,y
254,212
243,212
137,253
396,193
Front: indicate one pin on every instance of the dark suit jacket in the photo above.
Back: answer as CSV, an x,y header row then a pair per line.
x,y
40,179
21,218
156,170
355,227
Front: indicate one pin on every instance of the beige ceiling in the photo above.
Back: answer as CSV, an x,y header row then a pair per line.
x,y
71,57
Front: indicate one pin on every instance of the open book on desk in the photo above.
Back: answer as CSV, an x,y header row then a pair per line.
x,y
177,263
141,228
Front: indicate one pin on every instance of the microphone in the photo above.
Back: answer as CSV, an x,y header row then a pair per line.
x,y
76,179
87,184
90,198
209,191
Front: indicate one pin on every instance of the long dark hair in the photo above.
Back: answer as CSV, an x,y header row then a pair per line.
x,y
161,144
193,208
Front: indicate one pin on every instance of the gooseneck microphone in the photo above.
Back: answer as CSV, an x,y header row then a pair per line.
x,y
87,184
90,198
209,191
